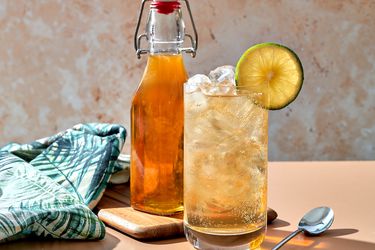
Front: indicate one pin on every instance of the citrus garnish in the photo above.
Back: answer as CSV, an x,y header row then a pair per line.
x,y
272,70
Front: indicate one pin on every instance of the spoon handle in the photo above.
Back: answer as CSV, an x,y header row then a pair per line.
x,y
286,239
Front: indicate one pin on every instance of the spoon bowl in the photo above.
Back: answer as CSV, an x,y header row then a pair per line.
x,y
317,220
314,222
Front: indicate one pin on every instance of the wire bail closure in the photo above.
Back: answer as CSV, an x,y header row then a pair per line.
x,y
137,39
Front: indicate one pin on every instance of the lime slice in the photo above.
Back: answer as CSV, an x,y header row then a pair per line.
x,y
272,70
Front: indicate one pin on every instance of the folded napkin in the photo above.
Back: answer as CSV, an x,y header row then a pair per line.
x,y
48,187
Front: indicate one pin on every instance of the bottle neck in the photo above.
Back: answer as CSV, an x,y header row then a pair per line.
x,y
165,30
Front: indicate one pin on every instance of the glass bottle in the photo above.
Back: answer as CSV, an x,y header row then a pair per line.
x,y
156,177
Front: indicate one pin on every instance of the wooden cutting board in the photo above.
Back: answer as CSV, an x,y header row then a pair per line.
x,y
115,211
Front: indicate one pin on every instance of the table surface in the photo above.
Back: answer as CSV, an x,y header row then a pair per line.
x,y
294,188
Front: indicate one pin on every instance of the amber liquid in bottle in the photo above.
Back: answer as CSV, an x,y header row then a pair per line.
x,y
157,136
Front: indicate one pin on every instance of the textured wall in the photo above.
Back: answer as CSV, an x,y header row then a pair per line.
x,y
65,62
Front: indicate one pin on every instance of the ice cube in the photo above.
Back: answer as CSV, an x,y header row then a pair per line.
x,y
196,102
222,88
198,79
223,73
195,81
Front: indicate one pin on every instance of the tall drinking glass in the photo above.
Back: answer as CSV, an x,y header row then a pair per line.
x,y
225,167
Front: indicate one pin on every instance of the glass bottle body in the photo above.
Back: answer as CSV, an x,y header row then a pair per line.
x,y
157,136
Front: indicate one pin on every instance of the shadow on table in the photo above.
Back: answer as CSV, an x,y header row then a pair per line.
x,y
278,223
328,240
108,243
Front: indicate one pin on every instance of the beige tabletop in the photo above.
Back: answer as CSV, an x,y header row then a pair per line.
x,y
294,188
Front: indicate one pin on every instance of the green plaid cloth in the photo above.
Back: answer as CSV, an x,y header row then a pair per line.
x,y
48,187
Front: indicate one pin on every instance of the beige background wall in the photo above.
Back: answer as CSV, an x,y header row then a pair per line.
x,y
63,62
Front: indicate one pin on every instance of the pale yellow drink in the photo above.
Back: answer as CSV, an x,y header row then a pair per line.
x,y
225,168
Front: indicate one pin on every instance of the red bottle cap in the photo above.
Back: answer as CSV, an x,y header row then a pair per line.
x,y
165,7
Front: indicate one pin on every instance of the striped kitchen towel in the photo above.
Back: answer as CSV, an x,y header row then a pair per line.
x,y
48,187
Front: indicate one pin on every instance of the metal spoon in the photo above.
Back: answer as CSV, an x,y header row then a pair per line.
x,y
315,222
